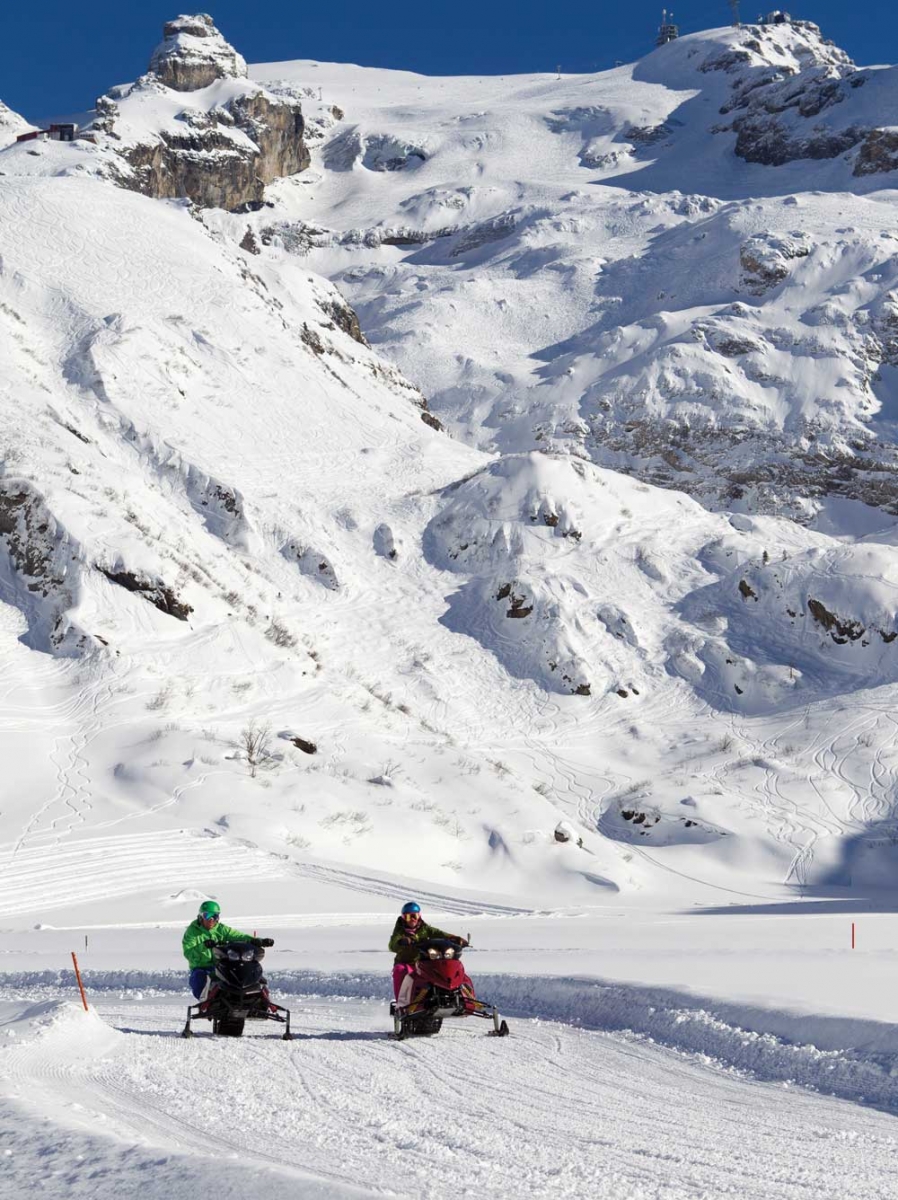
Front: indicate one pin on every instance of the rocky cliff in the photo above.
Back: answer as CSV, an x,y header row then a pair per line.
x,y
194,126
193,54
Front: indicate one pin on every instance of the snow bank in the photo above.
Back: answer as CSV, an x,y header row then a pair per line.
x,y
853,1059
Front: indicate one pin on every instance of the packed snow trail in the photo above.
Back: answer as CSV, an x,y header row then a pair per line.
x,y
551,1111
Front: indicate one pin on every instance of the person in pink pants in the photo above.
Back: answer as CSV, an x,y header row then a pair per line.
x,y
411,929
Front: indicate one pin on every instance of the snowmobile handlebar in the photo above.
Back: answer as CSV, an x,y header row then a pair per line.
x,y
211,944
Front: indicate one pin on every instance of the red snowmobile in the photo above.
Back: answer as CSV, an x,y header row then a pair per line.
x,y
441,988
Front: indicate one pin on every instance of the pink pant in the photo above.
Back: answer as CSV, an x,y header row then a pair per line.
x,y
400,970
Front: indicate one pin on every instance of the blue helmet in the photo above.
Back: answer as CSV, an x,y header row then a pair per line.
x,y
411,907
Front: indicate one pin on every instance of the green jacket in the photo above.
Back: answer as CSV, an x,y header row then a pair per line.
x,y
403,941
196,953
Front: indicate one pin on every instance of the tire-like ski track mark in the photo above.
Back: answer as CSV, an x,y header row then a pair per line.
x,y
373,885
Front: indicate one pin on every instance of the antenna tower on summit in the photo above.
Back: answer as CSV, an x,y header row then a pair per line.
x,y
734,8
667,31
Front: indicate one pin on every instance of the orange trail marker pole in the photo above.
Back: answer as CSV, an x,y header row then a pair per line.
x,y
78,977
852,935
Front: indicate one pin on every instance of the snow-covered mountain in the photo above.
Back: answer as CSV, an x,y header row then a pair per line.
x,y
476,490
218,502
682,268
11,125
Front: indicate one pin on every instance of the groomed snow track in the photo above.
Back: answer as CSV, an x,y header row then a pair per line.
x,y
558,1109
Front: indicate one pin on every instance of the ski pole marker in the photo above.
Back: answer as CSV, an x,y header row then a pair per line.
x,y
78,977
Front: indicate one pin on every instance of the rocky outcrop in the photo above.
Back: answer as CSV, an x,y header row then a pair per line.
x,y
193,54
46,564
768,142
30,536
218,152
883,343
765,260
312,563
344,317
154,590
275,124
205,162
373,151
878,153
780,95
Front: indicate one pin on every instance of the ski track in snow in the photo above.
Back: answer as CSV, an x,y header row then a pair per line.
x,y
372,885
551,1111
103,868
90,869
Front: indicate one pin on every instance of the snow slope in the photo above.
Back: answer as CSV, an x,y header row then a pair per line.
x,y
11,125
483,649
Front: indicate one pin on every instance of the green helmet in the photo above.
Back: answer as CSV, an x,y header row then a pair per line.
x,y
209,908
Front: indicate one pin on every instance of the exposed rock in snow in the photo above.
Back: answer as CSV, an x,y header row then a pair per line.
x,y
45,559
312,563
384,542
193,54
153,590
344,317
515,531
765,259
382,152
878,153
195,127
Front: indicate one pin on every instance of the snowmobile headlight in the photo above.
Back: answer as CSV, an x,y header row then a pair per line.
x,y
234,954
432,952
449,952
248,955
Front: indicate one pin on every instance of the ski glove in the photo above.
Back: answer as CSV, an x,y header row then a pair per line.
x,y
262,941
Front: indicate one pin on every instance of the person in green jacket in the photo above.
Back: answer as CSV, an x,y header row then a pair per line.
x,y
207,926
411,929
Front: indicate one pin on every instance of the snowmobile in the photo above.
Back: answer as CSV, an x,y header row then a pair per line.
x,y
440,988
237,991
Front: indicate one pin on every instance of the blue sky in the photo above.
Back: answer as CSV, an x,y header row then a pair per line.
x,y
60,57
